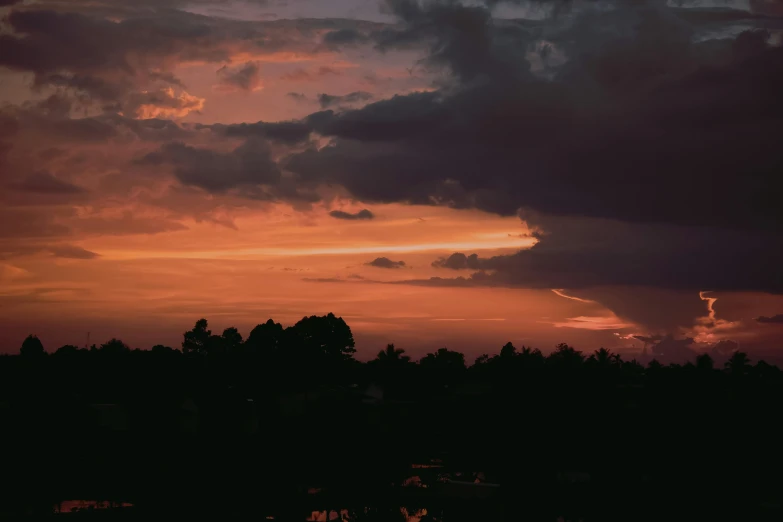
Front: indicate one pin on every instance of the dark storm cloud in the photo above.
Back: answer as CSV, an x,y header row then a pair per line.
x,y
459,37
385,262
775,319
249,164
637,122
331,100
658,152
363,214
584,253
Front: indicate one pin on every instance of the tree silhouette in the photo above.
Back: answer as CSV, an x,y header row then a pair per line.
x,y
265,339
162,349
68,350
31,347
604,358
114,347
196,341
565,356
392,355
443,367
704,362
530,356
232,340
326,337
481,360
738,363
205,403
508,350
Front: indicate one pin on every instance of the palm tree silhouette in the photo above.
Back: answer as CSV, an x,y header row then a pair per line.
x,y
393,355
738,363
604,358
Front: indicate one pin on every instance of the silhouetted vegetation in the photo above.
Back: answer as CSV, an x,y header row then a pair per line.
x,y
258,421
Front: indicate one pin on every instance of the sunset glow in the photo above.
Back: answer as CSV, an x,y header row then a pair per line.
x,y
162,162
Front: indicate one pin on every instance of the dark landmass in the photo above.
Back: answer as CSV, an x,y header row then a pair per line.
x,y
286,422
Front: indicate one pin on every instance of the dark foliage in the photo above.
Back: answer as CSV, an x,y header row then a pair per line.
x,y
233,421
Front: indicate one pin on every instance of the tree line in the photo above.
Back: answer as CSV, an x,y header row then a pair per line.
x,y
321,349
520,414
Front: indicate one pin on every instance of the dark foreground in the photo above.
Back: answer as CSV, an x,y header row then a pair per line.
x,y
287,423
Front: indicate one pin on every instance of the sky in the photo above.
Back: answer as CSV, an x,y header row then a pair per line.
x,y
436,172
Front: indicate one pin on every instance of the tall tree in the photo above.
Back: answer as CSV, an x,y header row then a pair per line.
x,y
197,339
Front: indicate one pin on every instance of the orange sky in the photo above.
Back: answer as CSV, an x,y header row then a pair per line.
x,y
98,240
285,264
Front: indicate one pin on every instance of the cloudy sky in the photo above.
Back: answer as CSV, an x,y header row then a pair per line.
x,y
437,172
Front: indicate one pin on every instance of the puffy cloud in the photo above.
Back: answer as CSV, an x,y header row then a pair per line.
x,y
385,262
458,261
363,214
246,77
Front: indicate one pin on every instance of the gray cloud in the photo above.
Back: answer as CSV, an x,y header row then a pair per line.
x,y
45,183
458,261
363,214
287,132
330,100
347,36
135,54
245,78
775,319
500,137
297,96
385,262
583,253
249,164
